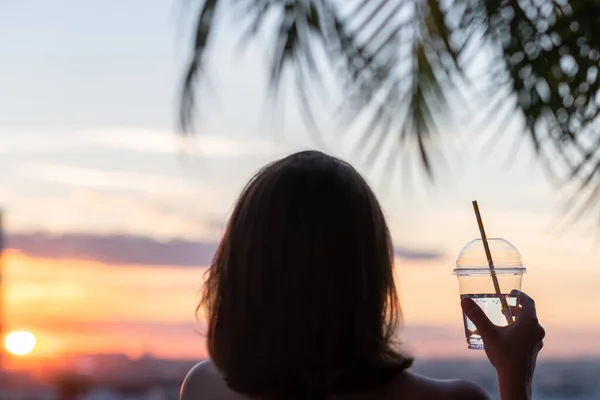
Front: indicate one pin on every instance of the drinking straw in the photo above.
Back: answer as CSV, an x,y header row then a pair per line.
x,y
488,254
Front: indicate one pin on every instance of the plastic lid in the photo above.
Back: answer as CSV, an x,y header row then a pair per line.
x,y
504,255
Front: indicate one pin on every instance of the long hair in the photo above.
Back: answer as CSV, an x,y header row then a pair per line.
x,y
300,296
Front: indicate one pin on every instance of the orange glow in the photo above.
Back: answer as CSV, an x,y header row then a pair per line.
x,y
87,307
82,306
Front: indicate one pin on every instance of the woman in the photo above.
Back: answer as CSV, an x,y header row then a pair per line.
x,y
301,301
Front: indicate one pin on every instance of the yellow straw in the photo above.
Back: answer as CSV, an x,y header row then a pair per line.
x,y
488,254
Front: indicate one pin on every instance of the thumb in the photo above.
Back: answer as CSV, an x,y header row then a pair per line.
x,y
477,316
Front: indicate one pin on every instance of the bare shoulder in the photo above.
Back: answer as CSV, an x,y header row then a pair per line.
x,y
196,381
416,386
204,382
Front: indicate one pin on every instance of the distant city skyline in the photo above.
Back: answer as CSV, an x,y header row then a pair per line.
x,y
573,379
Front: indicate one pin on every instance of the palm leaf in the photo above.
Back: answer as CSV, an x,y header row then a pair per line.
x,y
204,27
404,64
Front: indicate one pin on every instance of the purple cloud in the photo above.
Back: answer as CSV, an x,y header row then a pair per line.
x,y
115,249
408,254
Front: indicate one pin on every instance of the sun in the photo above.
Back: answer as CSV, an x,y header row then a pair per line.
x,y
20,343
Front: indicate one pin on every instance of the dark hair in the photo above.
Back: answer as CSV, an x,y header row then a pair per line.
x,y
300,296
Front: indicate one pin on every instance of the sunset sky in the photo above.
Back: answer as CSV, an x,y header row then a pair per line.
x,y
111,217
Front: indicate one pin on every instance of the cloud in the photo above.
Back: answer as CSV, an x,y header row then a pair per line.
x,y
83,210
26,142
144,141
92,178
170,143
409,254
115,249
124,249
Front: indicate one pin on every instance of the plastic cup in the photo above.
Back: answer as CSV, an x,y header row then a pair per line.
x,y
475,280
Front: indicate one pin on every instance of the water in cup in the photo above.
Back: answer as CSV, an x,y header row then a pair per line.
x,y
492,306
476,280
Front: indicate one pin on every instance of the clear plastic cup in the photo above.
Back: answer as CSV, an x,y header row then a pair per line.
x,y
476,280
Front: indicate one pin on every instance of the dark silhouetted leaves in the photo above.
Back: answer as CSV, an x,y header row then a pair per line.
x,y
404,65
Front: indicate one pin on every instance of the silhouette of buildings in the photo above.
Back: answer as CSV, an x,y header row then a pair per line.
x,y
118,377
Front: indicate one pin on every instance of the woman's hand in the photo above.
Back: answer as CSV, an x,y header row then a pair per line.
x,y
511,349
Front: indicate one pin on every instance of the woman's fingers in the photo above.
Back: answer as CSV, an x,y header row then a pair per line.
x,y
484,326
515,311
527,304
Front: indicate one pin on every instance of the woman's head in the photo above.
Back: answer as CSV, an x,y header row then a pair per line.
x,y
300,294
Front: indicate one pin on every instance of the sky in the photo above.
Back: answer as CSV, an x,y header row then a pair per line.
x,y
111,217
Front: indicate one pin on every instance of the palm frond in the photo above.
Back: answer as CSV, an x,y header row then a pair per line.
x,y
402,81
550,50
202,36
404,64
